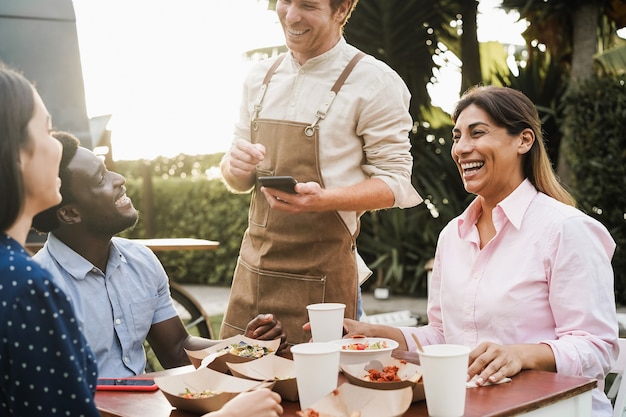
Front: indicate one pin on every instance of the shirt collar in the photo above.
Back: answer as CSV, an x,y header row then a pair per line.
x,y
513,207
74,264
328,55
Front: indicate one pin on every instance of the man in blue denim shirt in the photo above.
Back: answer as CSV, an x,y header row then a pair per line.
x,y
118,288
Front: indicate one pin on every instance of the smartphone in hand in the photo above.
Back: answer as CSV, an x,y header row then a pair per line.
x,y
283,183
126,384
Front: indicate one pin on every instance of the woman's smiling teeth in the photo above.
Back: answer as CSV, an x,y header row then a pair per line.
x,y
471,167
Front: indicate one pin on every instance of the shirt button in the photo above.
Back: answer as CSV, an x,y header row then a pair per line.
x,y
126,359
118,321
476,275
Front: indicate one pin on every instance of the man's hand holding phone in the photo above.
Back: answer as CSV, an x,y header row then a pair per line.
x,y
308,198
284,183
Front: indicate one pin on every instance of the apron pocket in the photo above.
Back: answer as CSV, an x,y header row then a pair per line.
x,y
282,294
259,207
286,296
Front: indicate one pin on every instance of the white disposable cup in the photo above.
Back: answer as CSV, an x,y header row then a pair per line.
x,y
326,321
317,370
444,369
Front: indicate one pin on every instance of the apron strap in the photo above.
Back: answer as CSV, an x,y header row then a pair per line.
x,y
266,81
346,71
323,109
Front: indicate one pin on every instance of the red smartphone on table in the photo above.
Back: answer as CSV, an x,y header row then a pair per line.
x,y
126,384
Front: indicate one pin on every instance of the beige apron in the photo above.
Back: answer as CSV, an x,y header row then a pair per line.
x,y
288,261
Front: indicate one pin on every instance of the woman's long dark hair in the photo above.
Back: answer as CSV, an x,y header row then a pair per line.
x,y
17,104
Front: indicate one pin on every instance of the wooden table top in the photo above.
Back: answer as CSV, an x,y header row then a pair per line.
x,y
159,244
529,390
179,243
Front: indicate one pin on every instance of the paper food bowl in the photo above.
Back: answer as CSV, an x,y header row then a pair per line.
x,y
224,352
225,388
410,376
348,398
274,368
350,355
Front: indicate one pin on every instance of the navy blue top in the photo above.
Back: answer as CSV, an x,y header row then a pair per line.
x,y
46,367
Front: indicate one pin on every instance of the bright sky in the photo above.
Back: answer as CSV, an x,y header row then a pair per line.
x,y
170,71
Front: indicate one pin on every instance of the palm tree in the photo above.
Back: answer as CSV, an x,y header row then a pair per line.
x,y
572,31
405,34
470,54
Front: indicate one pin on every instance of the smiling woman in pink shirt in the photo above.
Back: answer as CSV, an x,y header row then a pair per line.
x,y
521,276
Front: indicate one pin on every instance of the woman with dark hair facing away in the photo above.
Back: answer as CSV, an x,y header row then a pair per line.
x,y
46,367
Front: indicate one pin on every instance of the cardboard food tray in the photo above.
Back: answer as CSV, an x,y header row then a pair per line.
x,y
409,373
270,368
348,398
219,363
225,387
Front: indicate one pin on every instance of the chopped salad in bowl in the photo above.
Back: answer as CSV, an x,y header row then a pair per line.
x,y
364,349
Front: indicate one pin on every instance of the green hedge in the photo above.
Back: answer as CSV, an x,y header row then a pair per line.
x,y
595,125
190,205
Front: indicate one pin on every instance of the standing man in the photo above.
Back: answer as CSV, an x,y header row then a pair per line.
x,y
117,287
336,120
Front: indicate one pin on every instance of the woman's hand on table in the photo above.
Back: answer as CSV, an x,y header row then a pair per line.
x,y
265,327
492,362
258,403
